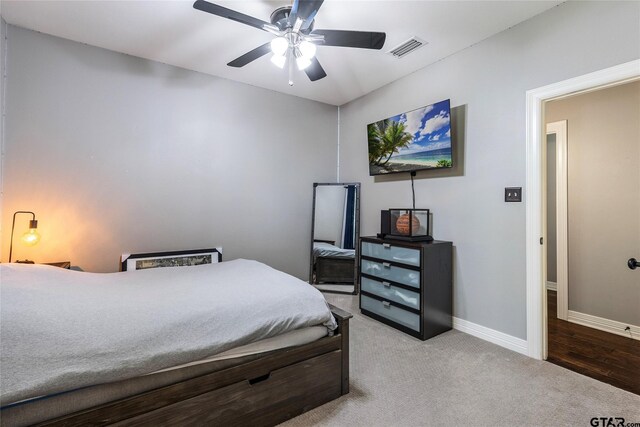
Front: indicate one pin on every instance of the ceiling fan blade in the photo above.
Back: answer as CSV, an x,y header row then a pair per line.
x,y
359,39
315,70
214,9
250,56
294,11
305,10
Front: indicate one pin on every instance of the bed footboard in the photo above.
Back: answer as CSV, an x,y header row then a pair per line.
x,y
334,270
342,317
264,392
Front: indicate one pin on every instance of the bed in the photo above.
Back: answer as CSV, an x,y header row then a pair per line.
x,y
223,343
332,264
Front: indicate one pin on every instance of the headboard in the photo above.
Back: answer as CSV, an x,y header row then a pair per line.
x,y
141,261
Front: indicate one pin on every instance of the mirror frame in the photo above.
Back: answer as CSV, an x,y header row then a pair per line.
x,y
356,261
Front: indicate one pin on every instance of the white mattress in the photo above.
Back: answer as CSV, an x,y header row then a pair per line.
x,y
288,339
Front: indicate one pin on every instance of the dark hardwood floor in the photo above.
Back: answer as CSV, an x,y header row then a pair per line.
x,y
610,358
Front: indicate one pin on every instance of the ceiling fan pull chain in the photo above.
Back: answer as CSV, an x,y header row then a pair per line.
x,y
291,56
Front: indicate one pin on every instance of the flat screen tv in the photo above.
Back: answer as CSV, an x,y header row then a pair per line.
x,y
416,140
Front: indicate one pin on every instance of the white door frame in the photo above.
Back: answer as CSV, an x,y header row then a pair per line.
x,y
536,294
562,235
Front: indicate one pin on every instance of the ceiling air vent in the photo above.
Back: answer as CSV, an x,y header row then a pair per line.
x,y
407,47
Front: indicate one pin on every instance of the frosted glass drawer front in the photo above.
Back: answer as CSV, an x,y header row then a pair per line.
x,y
390,292
390,312
391,272
392,253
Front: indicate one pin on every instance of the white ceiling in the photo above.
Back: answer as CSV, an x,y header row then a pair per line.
x,y
174,33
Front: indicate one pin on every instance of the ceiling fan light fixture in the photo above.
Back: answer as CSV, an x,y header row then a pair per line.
x,y
307,49
279,60
279,46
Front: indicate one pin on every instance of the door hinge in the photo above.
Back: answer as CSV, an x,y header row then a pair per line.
x,y
541,241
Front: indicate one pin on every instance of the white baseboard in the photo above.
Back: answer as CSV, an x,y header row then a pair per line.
x,y
500,338
603,324
552,286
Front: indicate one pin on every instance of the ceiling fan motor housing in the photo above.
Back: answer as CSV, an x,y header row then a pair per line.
x,y
280,18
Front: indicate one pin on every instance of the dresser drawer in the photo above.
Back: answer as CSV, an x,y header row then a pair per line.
x,y
389,252
390,292
384,270
388,311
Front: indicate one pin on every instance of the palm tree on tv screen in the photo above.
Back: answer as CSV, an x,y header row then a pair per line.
x,y
375,142
386,138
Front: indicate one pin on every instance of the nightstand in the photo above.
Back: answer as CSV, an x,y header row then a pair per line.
x,y
61,264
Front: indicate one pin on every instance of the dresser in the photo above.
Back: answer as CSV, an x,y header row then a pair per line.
x,y
407,285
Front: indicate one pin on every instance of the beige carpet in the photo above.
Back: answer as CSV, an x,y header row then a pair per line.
x,y
456,379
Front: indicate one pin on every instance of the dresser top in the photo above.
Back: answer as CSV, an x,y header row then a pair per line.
x,y
399,242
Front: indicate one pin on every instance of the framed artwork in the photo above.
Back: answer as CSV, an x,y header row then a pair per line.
x,y
132,262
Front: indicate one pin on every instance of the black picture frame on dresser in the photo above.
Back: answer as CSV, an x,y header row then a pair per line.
x,y
429,274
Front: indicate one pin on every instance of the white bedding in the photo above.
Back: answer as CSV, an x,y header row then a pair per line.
x,y
321,249
62,329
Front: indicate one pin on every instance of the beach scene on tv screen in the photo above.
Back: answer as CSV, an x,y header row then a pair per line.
x,y
418,139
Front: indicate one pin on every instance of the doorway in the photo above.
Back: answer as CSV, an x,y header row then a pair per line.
x,y
536,293
593,228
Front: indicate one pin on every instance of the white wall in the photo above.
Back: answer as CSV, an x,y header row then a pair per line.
x,y
603,147
489,80
119,154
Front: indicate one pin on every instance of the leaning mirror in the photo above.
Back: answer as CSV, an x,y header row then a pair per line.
x,y
335,230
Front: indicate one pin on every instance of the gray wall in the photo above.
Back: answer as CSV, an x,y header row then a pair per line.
x,y
604,200
489,81
552,250
119,154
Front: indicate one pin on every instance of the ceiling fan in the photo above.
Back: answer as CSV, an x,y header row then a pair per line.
x,y
296,38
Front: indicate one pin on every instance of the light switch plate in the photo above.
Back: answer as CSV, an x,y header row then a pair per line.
x,y
513,194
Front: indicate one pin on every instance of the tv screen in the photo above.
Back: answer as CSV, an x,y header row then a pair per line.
x,y
416,140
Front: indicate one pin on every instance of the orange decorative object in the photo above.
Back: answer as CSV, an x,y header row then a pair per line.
x,y
402,225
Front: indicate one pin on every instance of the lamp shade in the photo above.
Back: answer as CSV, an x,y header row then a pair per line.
x,y
307,49
303,62
279,46
279,60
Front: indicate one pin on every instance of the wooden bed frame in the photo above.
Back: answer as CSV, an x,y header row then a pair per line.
x,y
328,269
262,392
334,270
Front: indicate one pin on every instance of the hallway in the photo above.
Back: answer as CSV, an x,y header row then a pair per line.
x,y
610,358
